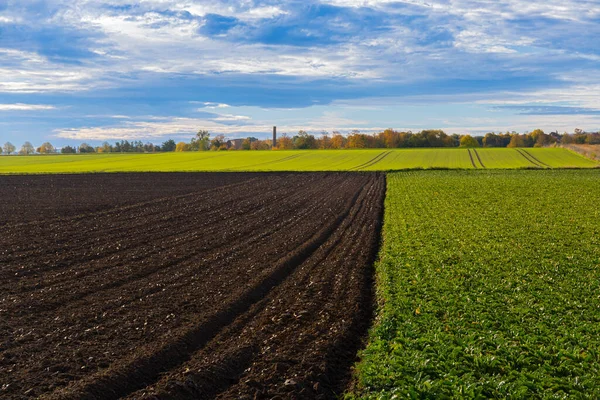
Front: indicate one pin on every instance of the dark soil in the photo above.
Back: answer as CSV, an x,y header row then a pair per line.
x,y
201,286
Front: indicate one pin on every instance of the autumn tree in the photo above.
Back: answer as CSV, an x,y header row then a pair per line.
x,y
356,140
45,148
260,145
324,142
218,142
284,142
468,141
516,140
182,146
390,138
337,140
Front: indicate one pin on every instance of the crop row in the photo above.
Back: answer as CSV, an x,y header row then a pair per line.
x,y
488,286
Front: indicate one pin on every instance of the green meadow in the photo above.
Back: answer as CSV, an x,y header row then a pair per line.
x,y
300,160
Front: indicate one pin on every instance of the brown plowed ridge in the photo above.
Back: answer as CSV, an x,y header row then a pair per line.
x,y
242,286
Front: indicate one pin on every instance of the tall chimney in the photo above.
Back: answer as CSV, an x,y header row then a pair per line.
x,y
274,136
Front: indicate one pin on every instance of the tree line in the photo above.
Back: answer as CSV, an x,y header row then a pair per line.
x,y
388,138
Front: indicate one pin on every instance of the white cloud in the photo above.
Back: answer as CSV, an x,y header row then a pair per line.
x,y
9,20
159,128
231,117
264,12
29,72
212,105
26,107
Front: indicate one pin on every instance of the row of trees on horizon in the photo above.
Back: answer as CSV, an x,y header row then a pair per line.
x,y
303,140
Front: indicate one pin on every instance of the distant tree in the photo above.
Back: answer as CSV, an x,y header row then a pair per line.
x,y
390,138
303,140
9,148
593,138
123,147
201,141
86,148
495,140
46,148
218,142
356,140
285,142
516,140
435,138
149,148
27,148
468,141
168,145
337,140
68,150
260,145
246,144
324,142
567,139
182,146
105,148
538,138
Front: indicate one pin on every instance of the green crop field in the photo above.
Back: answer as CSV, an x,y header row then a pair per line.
x,y
299,160
488,285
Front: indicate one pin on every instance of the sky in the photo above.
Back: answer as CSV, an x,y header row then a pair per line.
x,y
74,71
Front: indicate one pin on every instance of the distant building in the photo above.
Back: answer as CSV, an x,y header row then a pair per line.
x,y
235,144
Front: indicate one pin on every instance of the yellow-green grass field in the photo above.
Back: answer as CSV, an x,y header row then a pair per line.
x,y
301,160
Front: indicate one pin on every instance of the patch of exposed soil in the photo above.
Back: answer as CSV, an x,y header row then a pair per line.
x,y
233,286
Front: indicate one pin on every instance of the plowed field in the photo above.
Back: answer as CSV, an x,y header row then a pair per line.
x,y
197,286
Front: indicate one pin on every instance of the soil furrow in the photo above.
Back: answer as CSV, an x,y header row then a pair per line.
x,y
177,237
296,243
325,381
143,370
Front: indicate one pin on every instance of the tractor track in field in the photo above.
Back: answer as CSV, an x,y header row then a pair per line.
x,y
372,161
537,160
531,159
235,286
472,160
478,158
274,161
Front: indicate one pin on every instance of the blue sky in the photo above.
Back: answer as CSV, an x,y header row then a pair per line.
x,y
87,70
